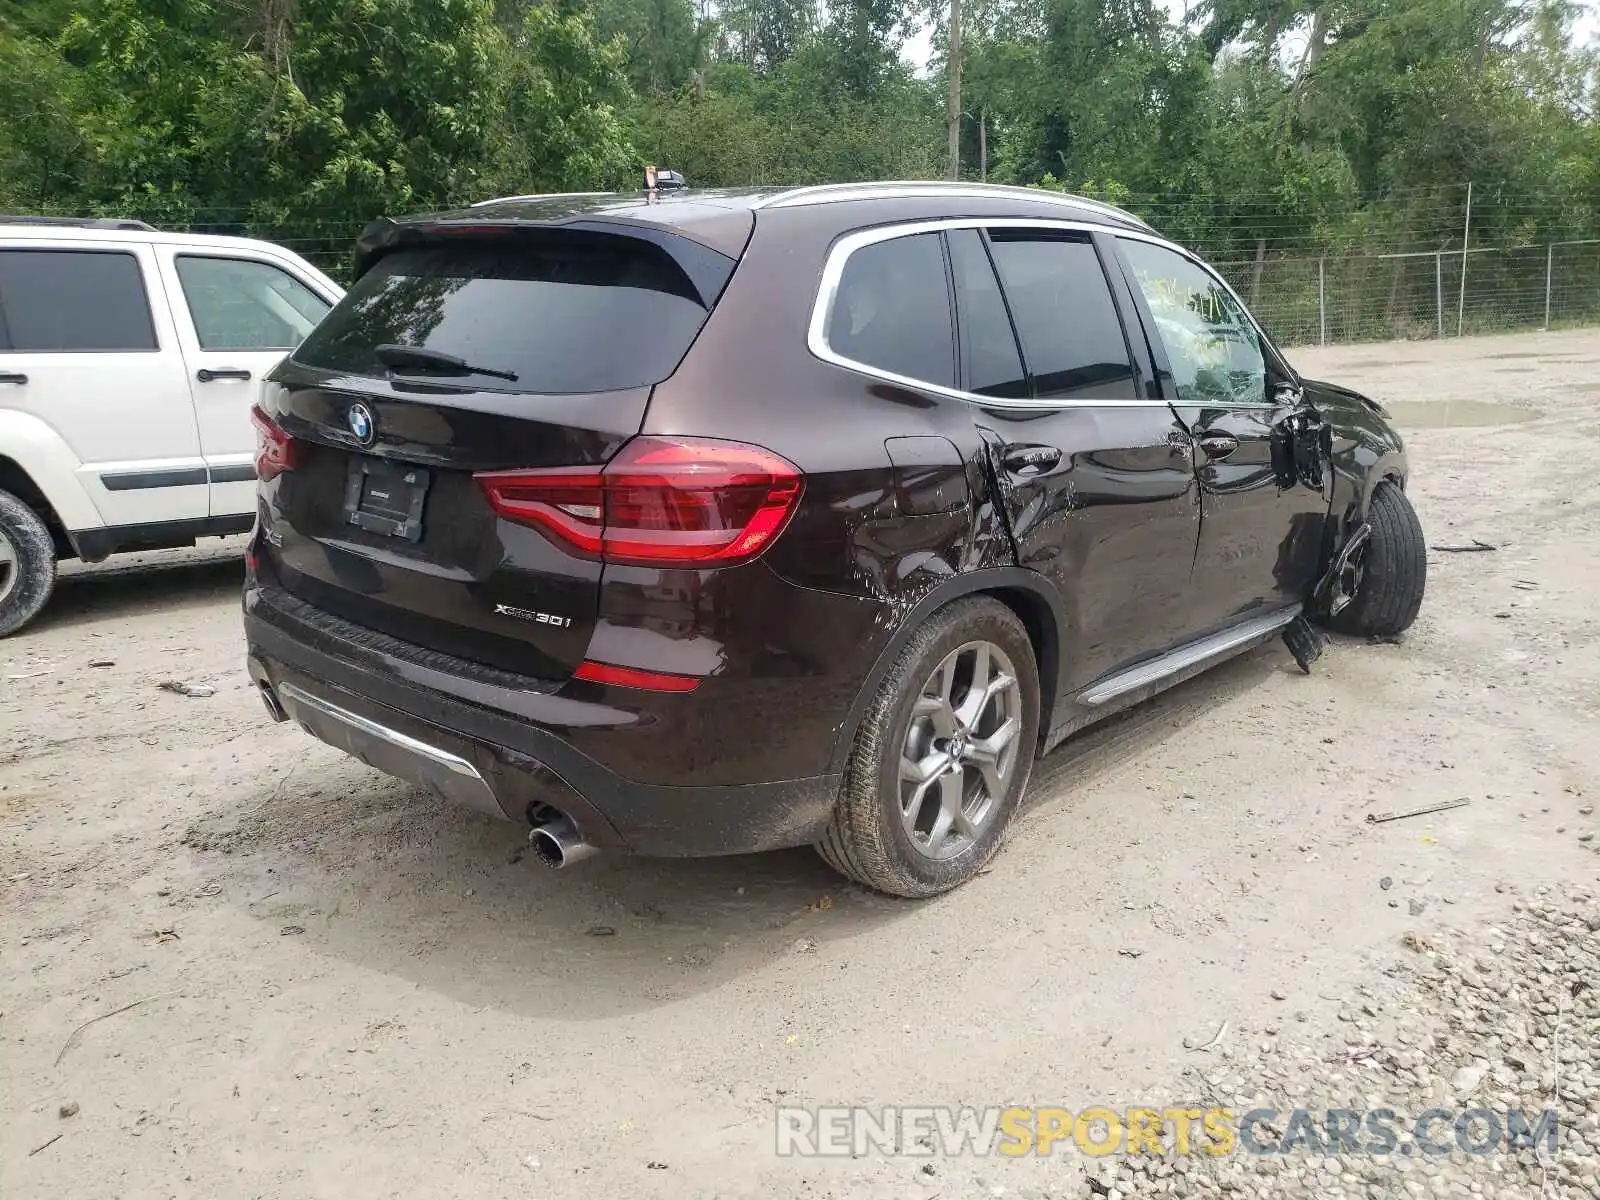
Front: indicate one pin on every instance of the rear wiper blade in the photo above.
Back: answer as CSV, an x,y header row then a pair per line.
x,y
393,355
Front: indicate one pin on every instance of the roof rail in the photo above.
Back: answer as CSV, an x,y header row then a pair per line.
x,y
540,196
79,222
830,192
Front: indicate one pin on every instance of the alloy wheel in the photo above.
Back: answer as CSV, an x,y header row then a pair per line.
x,y
10,569
960,749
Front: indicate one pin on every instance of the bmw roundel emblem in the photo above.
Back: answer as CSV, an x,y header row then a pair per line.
x,y
361,423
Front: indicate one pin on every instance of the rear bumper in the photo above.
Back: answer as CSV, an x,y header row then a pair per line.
x,y
392,715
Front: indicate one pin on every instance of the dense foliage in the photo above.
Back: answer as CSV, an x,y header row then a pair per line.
x,y
1255,126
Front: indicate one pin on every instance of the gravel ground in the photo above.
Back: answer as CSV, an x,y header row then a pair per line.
x,y
1500,1018
244,965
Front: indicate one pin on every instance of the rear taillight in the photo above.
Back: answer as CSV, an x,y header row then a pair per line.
x,y
276,451
662,501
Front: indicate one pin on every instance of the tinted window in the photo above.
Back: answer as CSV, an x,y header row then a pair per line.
x,y
567,312
892,310
63,301
1213,349
1062,307
990,362
237,304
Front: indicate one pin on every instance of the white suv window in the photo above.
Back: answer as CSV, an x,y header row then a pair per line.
x,y
73,302
239,304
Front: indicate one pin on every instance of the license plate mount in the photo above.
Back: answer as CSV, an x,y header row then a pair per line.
x,y
385,498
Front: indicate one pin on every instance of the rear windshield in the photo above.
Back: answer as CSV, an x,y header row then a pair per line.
x,y
561,312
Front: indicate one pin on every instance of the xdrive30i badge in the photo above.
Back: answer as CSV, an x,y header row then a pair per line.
x,y
528,614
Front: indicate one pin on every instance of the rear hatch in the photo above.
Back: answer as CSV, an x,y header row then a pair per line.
x,y
461,351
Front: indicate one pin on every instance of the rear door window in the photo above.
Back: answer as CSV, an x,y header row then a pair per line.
x,y
241,304
556,312
73,301
891,310
1061,303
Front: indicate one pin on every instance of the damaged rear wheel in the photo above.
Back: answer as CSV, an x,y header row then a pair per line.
x,y
1392,569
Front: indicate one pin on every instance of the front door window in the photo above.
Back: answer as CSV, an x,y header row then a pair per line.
x,y
1212,346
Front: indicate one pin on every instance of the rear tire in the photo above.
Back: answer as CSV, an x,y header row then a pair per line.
x,y
27,564
1394,569
918,813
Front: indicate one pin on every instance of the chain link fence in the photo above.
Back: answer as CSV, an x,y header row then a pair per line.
x,y
1380,297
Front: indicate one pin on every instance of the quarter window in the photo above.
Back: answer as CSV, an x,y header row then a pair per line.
x,y
237,304
73,301
1061,304
1212,347
891,310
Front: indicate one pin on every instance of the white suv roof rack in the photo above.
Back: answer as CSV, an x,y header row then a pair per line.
x,y
828,193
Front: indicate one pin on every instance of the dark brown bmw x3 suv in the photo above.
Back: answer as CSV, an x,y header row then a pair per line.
x,y
707,523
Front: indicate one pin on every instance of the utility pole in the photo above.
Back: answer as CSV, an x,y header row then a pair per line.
x,y
1461,296
983,144
955,89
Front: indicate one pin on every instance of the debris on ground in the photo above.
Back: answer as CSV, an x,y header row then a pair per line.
x,y
72,1038
198,691
291,930
103,662
69,1109
601,931
1222,1032
1386,882
1380,818
1476,547
1305,642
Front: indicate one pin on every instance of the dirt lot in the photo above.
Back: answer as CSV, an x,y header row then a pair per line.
x,y
342,989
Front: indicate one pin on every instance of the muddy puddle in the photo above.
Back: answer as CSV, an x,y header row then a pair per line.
x,y
1456,414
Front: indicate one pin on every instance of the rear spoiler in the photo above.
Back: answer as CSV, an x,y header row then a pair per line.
x,y
707,269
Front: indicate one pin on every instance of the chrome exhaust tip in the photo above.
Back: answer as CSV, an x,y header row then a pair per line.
x,y
274,708
558,843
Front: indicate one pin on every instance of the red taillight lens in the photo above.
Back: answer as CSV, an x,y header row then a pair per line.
x,y
276,451
680,501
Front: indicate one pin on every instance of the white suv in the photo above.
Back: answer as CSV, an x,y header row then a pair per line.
x,y
129,362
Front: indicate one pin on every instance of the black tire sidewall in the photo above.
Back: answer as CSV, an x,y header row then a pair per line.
x,y
36,563
980,621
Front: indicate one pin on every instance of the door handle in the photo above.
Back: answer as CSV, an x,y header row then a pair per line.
x,y
1030,460
16,377
1218,445
207,374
